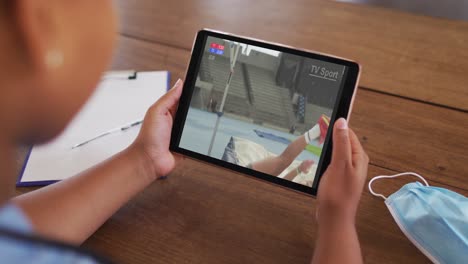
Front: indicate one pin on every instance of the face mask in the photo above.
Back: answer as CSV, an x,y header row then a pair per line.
x,y
434,219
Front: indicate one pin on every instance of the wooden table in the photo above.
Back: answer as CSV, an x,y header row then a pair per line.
x,y
410,114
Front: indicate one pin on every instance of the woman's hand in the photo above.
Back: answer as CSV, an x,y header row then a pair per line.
x,y
338,198
155,134
341,185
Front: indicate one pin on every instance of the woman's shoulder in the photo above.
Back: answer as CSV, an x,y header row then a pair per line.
x,y
18,244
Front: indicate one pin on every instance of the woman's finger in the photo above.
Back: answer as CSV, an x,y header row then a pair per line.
x,y
169,101
359,155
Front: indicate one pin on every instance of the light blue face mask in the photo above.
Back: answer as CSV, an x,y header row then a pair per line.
x,y
434,219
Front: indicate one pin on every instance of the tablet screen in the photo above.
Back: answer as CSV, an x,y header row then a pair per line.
x,y
262,109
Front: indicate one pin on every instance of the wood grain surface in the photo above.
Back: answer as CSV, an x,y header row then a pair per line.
x,y
411,114
408,55
205,214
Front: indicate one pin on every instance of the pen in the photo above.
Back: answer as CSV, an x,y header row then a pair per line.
x,y
123,128
126,75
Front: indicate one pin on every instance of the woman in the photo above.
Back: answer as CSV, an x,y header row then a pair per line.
x,y
53,54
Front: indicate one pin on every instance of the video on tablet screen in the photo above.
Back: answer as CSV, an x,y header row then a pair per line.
x,y
262,109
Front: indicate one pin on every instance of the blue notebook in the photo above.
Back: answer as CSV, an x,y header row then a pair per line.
x,y
121,99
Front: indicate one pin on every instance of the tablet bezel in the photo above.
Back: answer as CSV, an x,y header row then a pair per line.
x,y
342,107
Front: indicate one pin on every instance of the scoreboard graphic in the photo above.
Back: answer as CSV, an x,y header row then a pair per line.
x,y
216,48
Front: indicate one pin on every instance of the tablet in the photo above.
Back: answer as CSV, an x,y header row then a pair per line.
x,y
262,109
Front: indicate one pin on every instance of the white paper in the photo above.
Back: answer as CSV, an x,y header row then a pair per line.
x,y
116,102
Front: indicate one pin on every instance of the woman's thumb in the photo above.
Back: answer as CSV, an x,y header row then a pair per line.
x,y
341,153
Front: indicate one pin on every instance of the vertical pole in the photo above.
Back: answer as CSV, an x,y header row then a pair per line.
x,y
232,60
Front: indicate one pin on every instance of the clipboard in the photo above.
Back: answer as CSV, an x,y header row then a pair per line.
x,y
120,98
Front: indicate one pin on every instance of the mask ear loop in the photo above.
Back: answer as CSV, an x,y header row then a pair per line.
x,y
369,186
